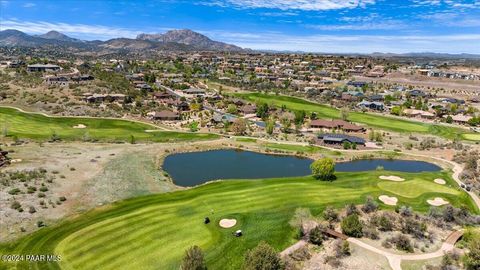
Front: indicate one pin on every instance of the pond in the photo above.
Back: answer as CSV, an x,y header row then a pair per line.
x,y
191,169
411,166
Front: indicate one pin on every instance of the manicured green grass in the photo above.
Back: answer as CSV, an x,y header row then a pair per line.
x,y
247,140
371,120
152,232
472,136
414,188
300,148
39,127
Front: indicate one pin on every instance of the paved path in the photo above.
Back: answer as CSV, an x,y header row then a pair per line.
x,y
395,260
292,248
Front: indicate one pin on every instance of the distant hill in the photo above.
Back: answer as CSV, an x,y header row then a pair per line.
x,y
189,37
175,40
54,35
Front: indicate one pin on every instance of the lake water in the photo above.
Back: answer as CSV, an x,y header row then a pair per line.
x,y
191,169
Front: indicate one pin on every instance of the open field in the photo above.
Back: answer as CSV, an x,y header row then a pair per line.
x,y
371,120
40,127
152,232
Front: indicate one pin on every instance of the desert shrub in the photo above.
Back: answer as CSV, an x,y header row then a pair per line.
x,y
352,226
14,191
15,205
370,232
472,258
193,259
413,227
262,257
301,254
330,215
402,242
341,248
351,209
405,211
316,236
370,205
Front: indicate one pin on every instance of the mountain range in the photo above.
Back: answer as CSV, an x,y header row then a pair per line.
x,y
174,40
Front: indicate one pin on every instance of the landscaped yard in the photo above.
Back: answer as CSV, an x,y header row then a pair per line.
x,y
39,127
152,232
371,120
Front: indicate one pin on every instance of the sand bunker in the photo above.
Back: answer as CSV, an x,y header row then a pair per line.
x,y
16,160
440,181
437,201
80,126
388,200
391,178
227,223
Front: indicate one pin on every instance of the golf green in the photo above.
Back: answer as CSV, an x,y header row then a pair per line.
x,y
152,232
40,127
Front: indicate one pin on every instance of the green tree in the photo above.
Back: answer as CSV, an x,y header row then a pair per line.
x,y
316,236
472,259
352,226
239,126
193,259
262,257
232,109
344,112
270,126
323,169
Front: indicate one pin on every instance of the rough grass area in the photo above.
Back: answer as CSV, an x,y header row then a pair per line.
x,y
130,175
152,232
415,265
302,149
371,120
40,127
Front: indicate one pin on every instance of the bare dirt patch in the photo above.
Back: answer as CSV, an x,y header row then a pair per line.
x,y
391,178
227,223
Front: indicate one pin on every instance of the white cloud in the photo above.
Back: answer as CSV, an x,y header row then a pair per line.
x,y
311,5
78,30
29,5
382,25
352,43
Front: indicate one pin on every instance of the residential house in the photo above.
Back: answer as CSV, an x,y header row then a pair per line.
x,y
165,115
331,138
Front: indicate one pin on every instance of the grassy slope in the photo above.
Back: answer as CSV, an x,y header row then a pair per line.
x,y
152,232
40,127
372,120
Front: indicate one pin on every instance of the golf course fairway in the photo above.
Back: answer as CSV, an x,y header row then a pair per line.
x,y
152,232
40,127
371,120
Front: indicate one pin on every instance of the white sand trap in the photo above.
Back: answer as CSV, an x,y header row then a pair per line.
x,y
437,201
388,200
80,126
440,181
227,223
391,178
16,160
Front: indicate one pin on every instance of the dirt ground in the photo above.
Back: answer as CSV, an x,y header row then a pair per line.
x,y
87,175
360,258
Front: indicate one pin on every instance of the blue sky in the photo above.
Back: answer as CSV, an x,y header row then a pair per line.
x,y
337,26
